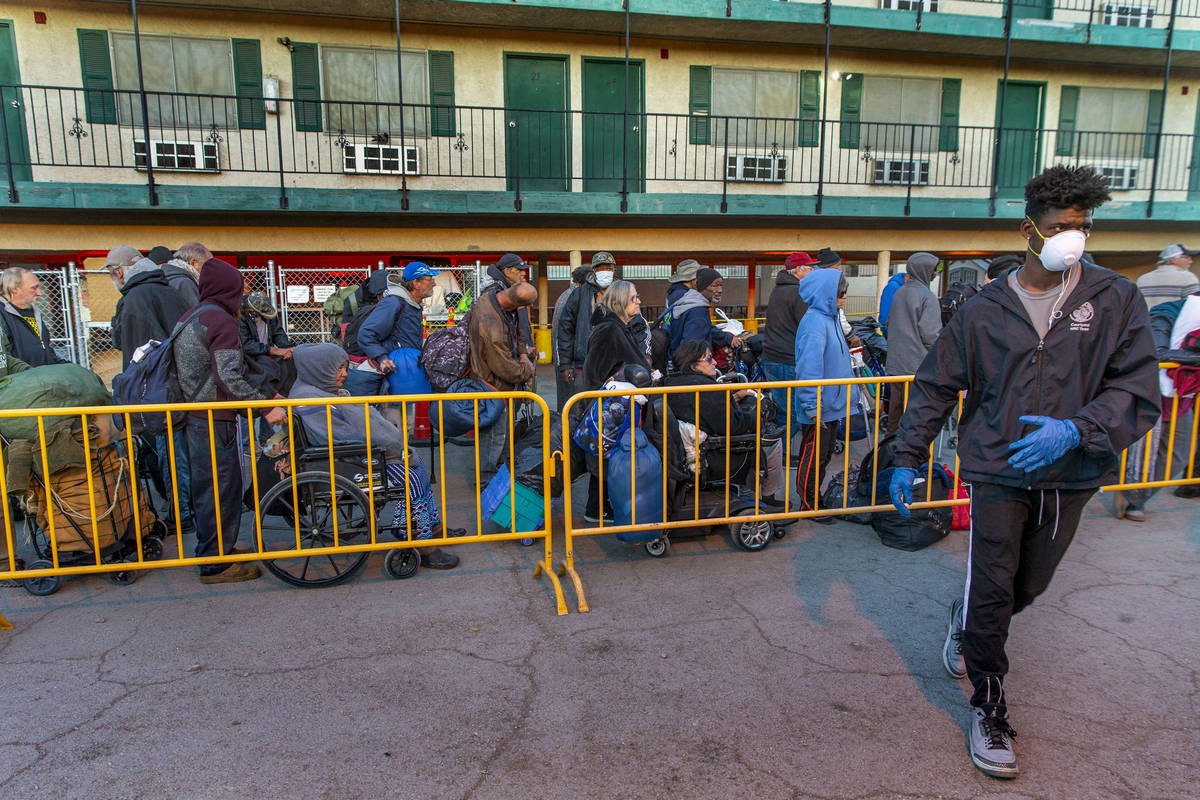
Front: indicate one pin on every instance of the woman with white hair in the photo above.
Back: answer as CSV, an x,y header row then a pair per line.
x,y
21,319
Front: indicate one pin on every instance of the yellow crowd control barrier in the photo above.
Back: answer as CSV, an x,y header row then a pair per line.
x,y
1166,455
315,523
752,509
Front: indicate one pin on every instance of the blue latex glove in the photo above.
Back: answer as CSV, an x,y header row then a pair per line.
x,y
1050,442
901,488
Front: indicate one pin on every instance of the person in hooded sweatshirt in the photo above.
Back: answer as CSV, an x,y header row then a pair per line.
x,y
1059,370
913,325
821,354
397,321
689,317
210,368
321,371
889,295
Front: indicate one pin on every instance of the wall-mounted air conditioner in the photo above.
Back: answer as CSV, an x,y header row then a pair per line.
x,y
381,159
1120,177
175,156
909,5
1127,15
900,171
758,169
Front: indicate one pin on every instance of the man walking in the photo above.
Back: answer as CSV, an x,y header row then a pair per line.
x,y
1058,366
1172,279
913,325
785,308
497,359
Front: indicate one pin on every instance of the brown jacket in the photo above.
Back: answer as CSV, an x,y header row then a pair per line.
x,y
493,335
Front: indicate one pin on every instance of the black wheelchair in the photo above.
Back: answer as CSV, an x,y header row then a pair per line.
x,y
317,508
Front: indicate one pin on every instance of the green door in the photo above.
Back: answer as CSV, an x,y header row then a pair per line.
x,y
16,147
1194,171
606,128
1033,9
536,140
1019,137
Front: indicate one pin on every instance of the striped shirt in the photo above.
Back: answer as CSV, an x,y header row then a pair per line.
x,y
1167,283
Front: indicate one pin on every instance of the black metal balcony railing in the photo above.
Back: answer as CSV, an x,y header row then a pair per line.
x,y
1121,13
51,140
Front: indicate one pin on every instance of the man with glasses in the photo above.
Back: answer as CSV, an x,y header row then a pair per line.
x,y
1059,370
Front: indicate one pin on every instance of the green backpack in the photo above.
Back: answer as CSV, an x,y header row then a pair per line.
x,y
332,310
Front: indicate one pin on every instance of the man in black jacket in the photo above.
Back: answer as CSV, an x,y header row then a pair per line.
x,y
1059,370
148,308
21,319
573,322
784,310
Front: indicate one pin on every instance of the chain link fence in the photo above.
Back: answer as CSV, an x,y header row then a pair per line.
x,y
56,308
303,299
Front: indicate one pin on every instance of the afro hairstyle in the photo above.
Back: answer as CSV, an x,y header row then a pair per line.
x,y
1062,187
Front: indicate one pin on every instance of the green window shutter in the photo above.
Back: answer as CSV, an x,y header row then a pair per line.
x,y
306,87
852,89
247,77
948,135
1154,118
810,107
100,104
1067,107
441,92
700,106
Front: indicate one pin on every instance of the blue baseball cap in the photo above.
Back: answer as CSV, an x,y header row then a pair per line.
x,y
416,269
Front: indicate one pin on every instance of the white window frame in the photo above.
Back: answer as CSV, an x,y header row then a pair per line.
x,y
1128,15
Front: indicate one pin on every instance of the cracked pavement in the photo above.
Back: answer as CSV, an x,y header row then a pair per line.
x,y
809,670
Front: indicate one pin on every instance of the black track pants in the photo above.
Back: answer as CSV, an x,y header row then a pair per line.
x,y
1018,536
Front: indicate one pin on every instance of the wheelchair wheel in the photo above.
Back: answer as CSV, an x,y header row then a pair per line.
x,y
317,506
403,563
43,584
751,534
659,548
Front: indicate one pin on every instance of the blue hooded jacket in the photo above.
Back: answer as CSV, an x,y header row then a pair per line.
x,y
885,300
821,350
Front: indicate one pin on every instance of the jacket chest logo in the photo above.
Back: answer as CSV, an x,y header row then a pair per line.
x,y
1081,318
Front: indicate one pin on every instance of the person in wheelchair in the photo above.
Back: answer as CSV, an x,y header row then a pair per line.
x,y
320,372
695,367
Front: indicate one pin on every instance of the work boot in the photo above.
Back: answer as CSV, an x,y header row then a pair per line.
x,y
952,656
1188,492
991,745
437,558
234,573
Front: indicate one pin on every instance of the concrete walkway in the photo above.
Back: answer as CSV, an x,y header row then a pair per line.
x,y
811,669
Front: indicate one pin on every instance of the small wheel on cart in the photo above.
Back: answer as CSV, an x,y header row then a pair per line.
x,y
780,531
751,534
152,548
659,548
43,584
839,446
403,563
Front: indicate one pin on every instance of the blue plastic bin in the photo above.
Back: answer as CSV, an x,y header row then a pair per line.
x,y
495,503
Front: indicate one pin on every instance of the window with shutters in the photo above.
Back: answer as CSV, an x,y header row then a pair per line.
x,y
901,114
1111,123
361,88
762,106
183,64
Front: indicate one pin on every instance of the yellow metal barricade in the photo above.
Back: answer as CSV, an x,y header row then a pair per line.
x,y
583,401
345,479
1168,449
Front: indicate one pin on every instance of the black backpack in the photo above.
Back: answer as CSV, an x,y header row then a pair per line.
x,y
957,294
660,341
154,379
350,333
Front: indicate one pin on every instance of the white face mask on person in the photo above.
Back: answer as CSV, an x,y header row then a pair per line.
x,y
604,278
1062,250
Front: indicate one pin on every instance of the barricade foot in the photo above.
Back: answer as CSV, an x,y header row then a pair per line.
x,y
5,625
563,569
559,599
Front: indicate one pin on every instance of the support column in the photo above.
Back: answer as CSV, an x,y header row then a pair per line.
x,y
751,287
883,263
542,337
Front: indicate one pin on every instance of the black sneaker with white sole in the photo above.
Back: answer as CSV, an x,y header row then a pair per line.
x,y
952,656
992,746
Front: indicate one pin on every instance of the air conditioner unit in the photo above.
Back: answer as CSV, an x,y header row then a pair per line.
x,y
900,171
1128,16
758,169
1120,177
174,156
909,5
380,159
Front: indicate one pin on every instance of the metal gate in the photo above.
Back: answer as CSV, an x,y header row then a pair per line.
x,y
302,296
56,304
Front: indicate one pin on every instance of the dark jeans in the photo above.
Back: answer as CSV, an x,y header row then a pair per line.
x,y
182,484
895,407
207,488
563,390
775,371
1018,536
811,471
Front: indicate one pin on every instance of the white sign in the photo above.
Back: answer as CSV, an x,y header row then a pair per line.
x,y
321,293
297,295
